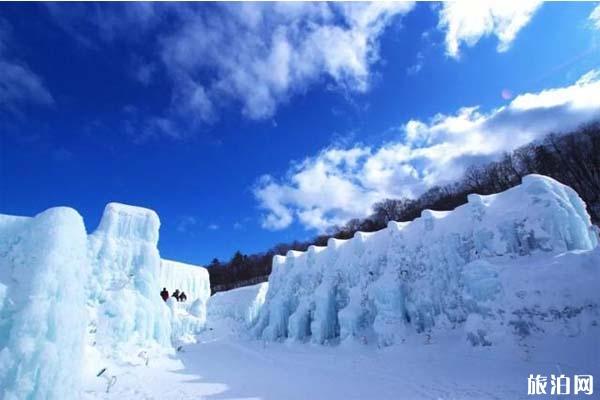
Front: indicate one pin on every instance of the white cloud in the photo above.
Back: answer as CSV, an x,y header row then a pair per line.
x,y
595,17
256,56
213,227
248,56
468,21
18,84
330,178
339,184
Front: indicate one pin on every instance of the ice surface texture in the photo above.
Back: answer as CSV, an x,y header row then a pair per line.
x,y
61,290
190,279
124,289
43,268
442,270
189,317
242,305
523,261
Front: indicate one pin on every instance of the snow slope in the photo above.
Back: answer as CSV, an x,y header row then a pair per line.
x,y
468,269
43,267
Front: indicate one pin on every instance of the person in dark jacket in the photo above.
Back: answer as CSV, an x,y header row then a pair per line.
x,y
182,296
176,294
164,294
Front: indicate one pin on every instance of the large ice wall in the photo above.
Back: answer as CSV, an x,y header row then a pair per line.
x,y
444,269
43,268
240,305
191,279
124,289
61,289
189,317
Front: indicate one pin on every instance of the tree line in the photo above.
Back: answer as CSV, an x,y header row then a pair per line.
x,y
572,158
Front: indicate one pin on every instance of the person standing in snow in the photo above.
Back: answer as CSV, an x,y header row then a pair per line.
x,y
176,294
164,294
182,296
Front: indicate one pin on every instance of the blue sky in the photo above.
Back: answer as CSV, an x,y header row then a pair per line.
x,y
245,125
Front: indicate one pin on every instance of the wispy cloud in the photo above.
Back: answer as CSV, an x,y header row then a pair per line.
x,y
595,17
252,57
257,56
92,23
342,183
62,155
417,66
19,85
185,223
465,22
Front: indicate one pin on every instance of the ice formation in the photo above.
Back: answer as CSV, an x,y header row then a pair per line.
x,y
43,265
191,279
124,292
242,305
189,317
493,265
522,262
64,294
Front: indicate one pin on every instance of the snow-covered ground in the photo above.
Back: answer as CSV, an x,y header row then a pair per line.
x,y
457,305
227,368
226,364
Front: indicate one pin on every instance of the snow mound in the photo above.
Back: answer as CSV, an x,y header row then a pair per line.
x,y
43,267
242,305
445,270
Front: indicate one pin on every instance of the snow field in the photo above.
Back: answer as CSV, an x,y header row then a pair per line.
x,y
461,304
